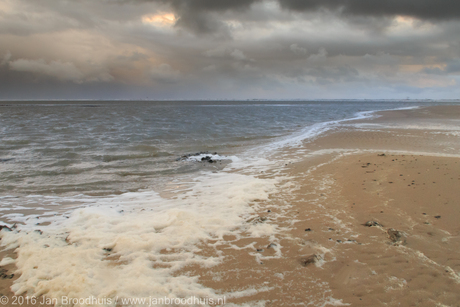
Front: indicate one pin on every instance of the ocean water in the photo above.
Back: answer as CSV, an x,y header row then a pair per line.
x,y
111,199
102,148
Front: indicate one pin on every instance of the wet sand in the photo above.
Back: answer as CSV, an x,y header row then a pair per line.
x,y
404,181
329,257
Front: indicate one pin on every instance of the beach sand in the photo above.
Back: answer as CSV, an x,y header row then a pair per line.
x,y
398,173
411,257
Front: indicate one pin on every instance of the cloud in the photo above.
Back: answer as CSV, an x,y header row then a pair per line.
x,y
198,16
59,70
451,68
225,52
216,52
164,73
238,55
423,9
298,50
210,46
6,57
319,57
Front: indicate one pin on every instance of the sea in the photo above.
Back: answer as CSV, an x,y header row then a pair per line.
x,y
84,184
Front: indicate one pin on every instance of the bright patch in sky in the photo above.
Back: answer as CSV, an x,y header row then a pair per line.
x,y
161,20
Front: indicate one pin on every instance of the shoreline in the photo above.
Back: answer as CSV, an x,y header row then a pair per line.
x,y
322,249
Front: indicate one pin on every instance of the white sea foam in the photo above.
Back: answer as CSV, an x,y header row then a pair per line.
x,y
132,244
315,130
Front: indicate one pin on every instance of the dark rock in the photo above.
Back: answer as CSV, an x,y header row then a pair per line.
x,y
39,231
272,245
437,217
5,227
372,223
207,159
4,275
308,229
260,250
269,210
395,235
306,261
381,155
108,249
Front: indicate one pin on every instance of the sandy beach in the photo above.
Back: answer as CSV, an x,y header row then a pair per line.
x,y
371,219
371,223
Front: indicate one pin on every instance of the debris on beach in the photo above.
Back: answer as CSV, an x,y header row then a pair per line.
x,y
206,156
312,259
3,274
257,220
5,227
372,223
396,236
207,159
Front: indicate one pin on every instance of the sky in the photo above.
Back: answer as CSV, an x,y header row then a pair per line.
x,y
221,49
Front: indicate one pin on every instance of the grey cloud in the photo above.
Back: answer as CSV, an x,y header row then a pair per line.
x,y
164,73
59,70
197,15
243,46
298,50
200,5
6,58
423,9
228,53
238,55
452,67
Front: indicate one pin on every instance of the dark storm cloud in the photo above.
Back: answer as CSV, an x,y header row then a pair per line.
x,y
199,5
423,9
196,15
213,48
